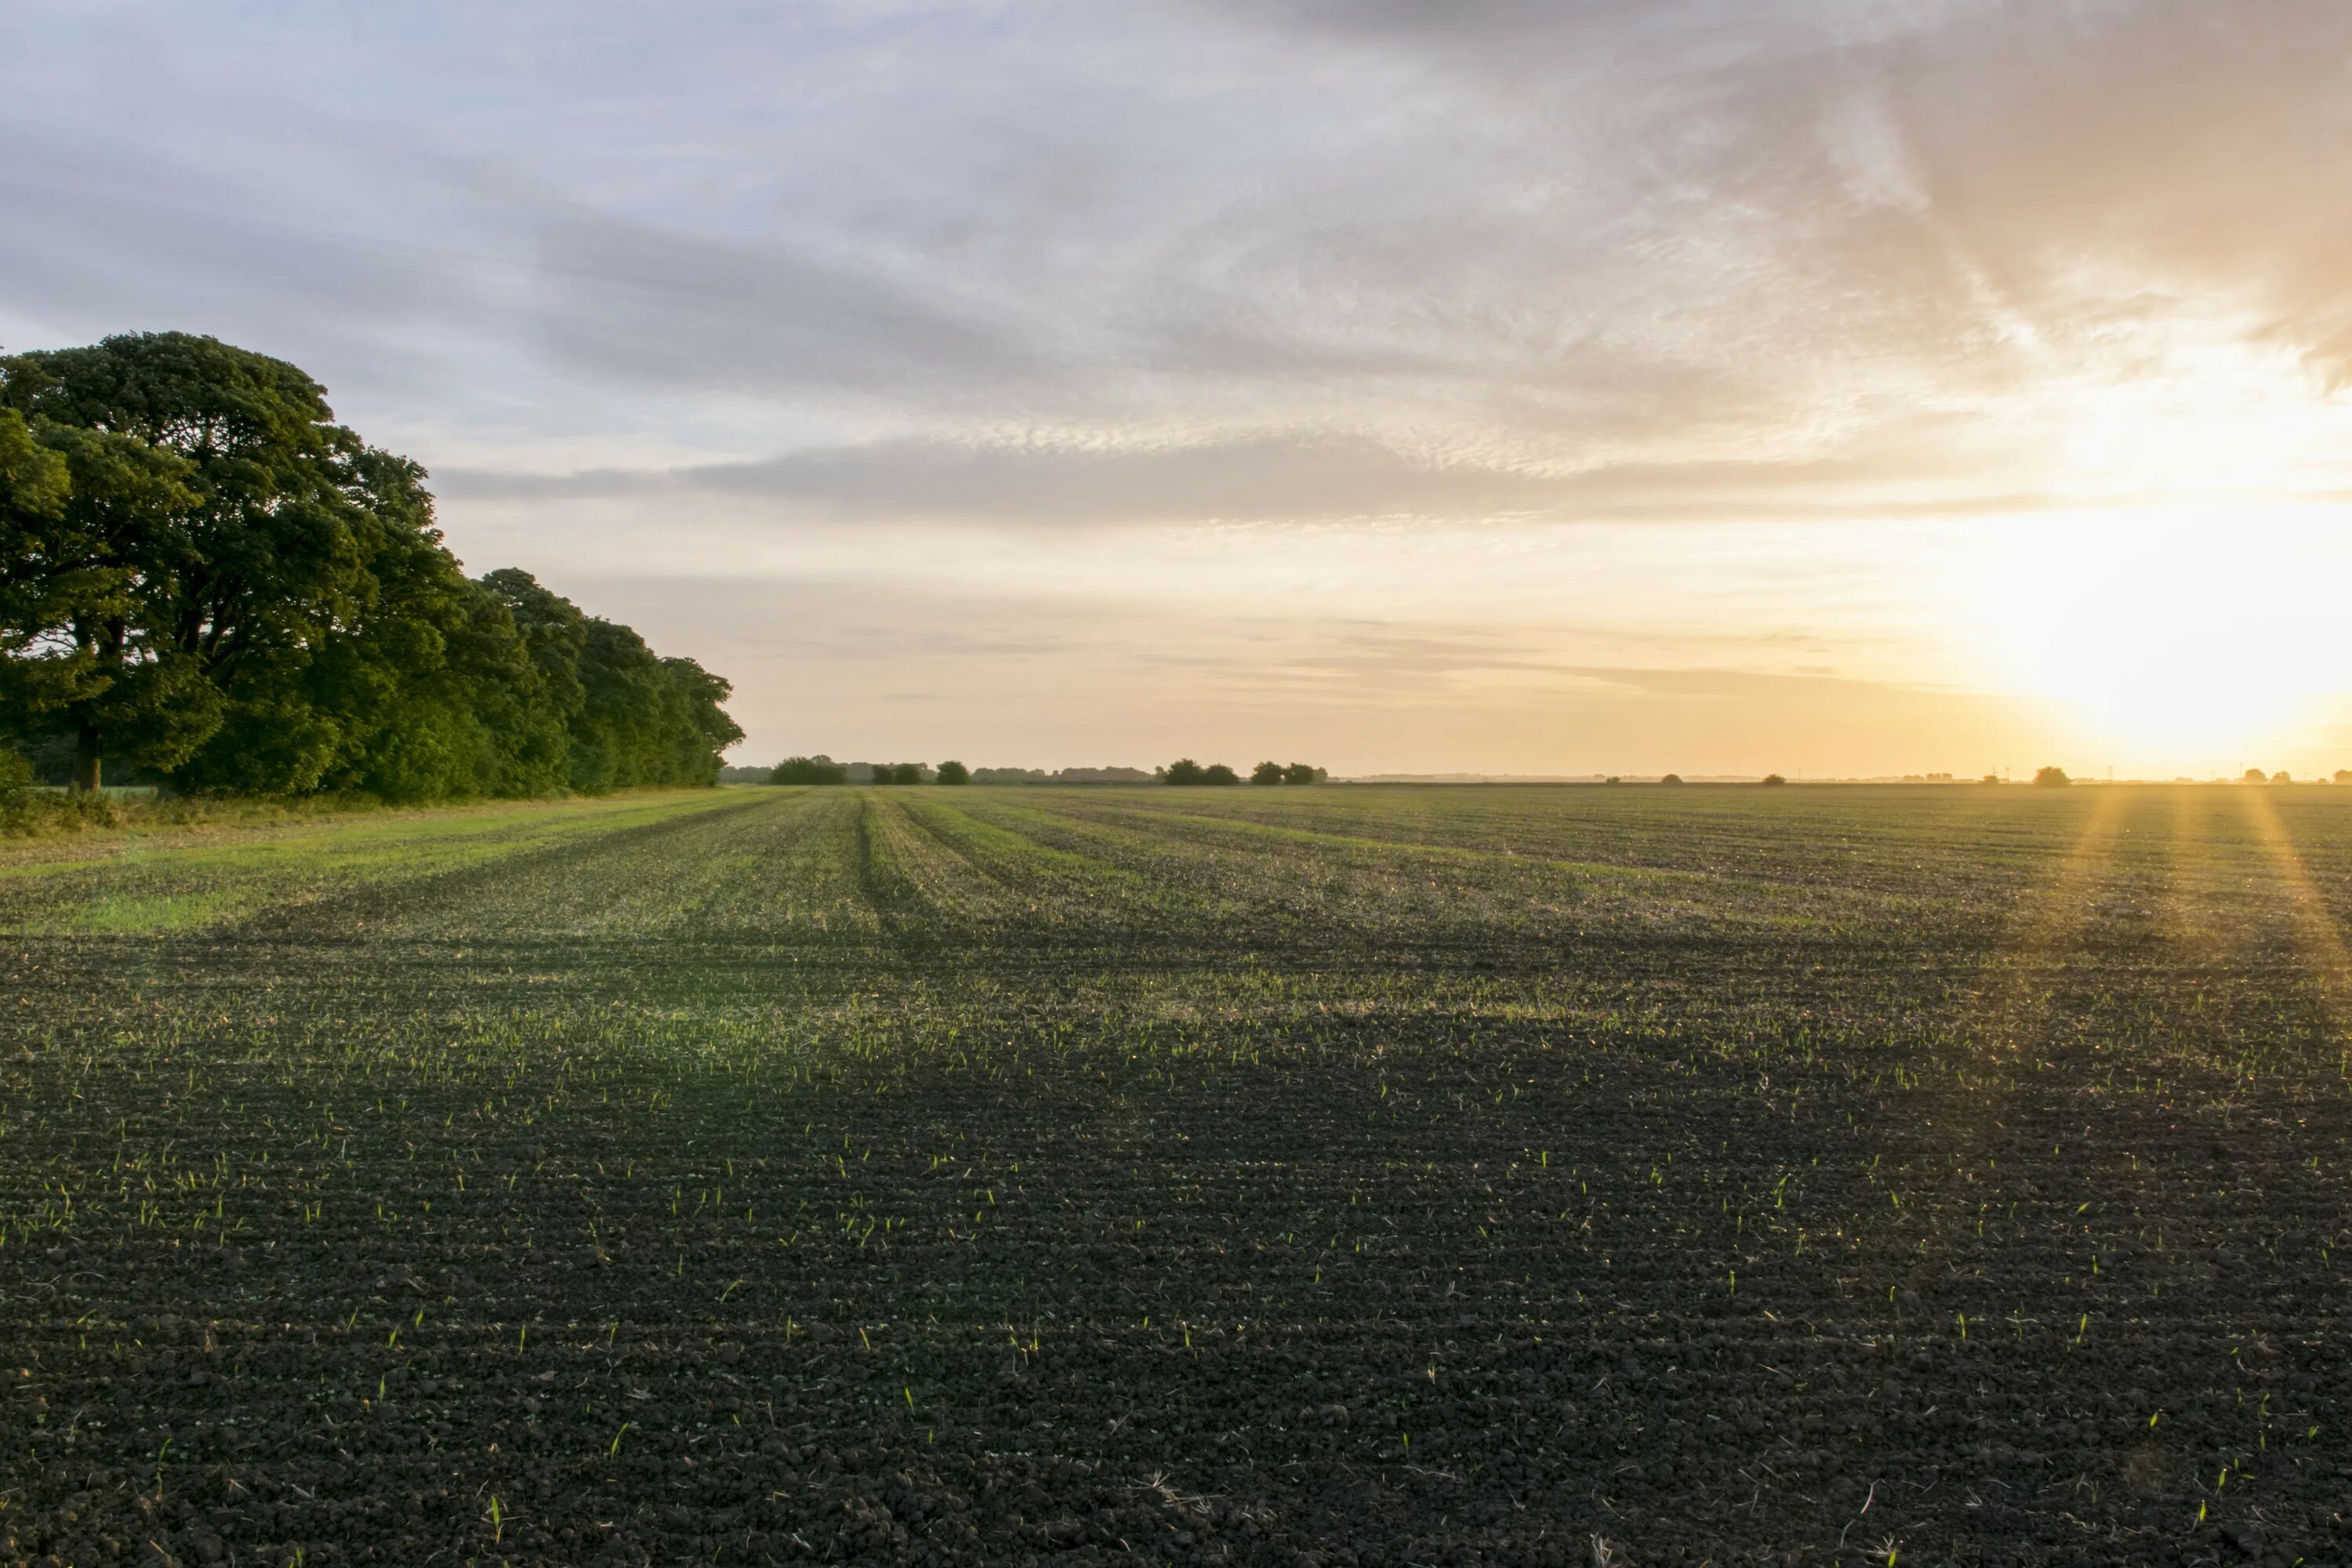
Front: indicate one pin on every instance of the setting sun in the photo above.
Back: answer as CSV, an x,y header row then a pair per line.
x,y
2194,641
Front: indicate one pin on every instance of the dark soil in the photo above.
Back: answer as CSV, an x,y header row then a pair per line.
x,y
831,1179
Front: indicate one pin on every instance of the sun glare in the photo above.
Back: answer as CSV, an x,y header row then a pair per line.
x,y
2196,643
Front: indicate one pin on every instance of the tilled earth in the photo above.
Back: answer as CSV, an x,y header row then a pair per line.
x,y
1333,1176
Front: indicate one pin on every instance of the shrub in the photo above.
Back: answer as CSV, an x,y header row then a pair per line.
x,y
1268,773
2052,778
1774,779
1218,774
1672,778
15,795
26,810
954,773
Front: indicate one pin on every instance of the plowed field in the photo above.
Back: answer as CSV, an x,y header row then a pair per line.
x,y
1335,1175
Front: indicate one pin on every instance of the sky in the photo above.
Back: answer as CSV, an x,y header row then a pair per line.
x,y
1515,387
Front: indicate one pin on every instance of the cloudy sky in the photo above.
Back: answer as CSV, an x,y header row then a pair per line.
x,y
1509,385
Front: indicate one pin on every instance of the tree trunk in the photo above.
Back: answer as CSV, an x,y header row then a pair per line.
x,y
87,761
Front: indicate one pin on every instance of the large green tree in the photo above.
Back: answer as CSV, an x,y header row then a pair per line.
x,y
81,512
203,575
627,716
233,524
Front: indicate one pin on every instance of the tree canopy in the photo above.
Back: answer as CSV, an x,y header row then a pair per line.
x,y
1185,770
816,770
205,577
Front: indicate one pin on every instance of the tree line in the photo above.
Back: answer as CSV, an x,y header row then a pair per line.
x,y
823,770
205,578
1185,770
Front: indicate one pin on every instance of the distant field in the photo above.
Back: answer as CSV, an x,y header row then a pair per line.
x,y
1348,1175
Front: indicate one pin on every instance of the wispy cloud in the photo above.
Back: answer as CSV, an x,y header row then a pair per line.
x,y
722,276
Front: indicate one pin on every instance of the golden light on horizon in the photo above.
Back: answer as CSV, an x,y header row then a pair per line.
x,y
2200,638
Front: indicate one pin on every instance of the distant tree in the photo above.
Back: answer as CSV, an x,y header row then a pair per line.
x,y
1101,776
1218,774
2343,776
1672,778
2281,776
1183,771
954,773
1774,779
1990,779
2052,778
1266,773
897,772
1304,773
2253,776
816,770
1615,779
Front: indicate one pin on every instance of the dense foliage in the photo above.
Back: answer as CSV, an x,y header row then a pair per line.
x,y
823,770
204,577
817,770
1185,770
1059,777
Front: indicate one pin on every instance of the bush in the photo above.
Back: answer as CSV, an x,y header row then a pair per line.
x,y
1774,779
816,770
1304,773
1218,774
16,793
2052,778
1672,778
1266,772
954,773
